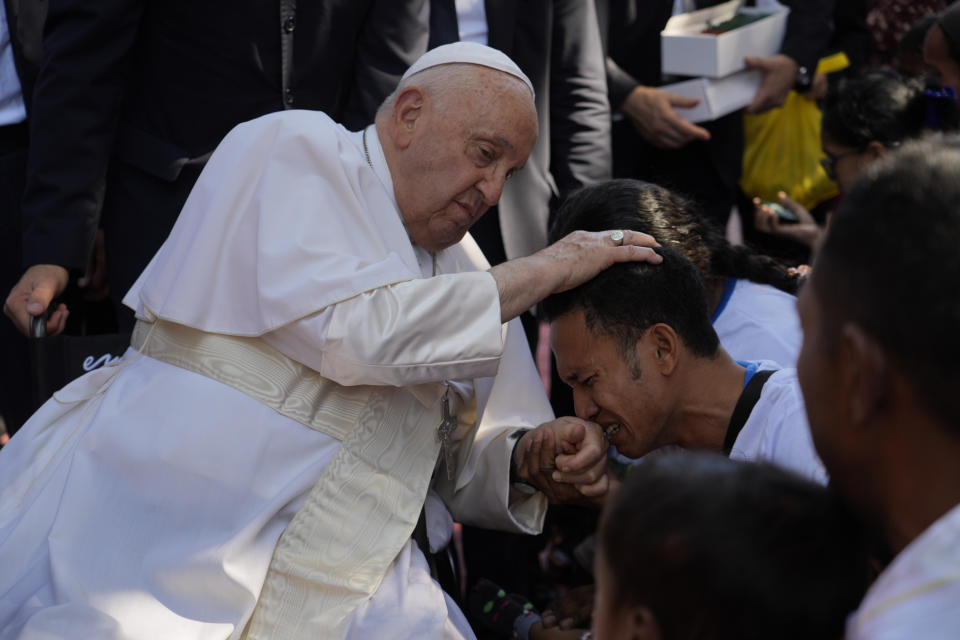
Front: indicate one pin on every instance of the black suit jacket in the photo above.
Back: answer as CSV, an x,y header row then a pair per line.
x,y
557,44
708,171
134,95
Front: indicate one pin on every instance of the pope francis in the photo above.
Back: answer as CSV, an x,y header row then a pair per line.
x,y
321,354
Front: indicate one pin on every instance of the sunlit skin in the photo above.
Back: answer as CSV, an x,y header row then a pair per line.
x,y
450,156
936,53
678,399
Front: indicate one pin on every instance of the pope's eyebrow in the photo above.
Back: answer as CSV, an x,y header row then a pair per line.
x,y
503,142
498,140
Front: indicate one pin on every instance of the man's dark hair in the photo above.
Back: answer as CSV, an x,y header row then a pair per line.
x,y
891,264
674,221
629,298
884,106
733,550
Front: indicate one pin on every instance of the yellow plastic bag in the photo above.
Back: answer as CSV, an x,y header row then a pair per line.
x,y
782,149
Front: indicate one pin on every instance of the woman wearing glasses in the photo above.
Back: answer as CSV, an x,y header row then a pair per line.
x,y
864,117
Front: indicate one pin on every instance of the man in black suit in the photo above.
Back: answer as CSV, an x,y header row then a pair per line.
x,y
652,142
133,96
20,34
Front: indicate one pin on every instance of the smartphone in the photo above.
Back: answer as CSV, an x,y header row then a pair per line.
x,y
782,212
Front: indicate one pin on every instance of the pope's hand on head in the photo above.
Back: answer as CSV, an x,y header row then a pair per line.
x,y
581,255
569,262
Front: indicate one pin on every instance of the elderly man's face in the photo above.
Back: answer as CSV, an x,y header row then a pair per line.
x,y
936,53
606,389
462,151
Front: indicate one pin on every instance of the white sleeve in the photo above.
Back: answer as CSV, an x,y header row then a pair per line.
x,y
424,330
480,493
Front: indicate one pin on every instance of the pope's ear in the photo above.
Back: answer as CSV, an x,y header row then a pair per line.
x,y
407,109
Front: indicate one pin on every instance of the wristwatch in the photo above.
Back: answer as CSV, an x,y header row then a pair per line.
x,y
803,81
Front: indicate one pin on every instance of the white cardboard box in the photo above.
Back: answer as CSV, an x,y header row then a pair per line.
x,y
718,96
688,52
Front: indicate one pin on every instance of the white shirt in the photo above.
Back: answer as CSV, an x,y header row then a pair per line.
x,y
12,109
777,430
758,322
918,595
472,20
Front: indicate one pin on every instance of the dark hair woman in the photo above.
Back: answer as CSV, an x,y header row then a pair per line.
x,y
864,117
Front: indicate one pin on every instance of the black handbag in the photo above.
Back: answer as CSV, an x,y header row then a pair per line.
x,y
57,360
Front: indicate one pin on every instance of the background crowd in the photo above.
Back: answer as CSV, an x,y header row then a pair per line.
x,y
109,112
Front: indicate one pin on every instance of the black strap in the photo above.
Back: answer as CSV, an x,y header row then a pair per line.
x,y
746,403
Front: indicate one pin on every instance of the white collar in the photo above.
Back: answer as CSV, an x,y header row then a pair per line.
x,y
373,151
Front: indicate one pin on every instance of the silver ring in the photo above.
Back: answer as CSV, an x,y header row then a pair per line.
x,y
617,236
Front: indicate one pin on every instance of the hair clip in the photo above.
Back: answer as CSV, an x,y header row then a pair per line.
x,y
799,272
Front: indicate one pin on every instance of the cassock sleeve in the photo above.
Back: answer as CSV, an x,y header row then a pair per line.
x,y
427,330
424,330
480,491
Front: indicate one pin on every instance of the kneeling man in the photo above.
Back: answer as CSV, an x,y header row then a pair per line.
x,y
636,345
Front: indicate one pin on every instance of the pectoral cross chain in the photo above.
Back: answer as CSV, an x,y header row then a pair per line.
x,y
448,424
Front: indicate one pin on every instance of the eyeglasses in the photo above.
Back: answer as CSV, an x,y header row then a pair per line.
x,y
829,162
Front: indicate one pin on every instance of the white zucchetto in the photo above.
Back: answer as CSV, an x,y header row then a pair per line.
x,y
468,53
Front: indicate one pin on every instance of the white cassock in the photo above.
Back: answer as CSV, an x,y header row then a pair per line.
x,y
918,595
758,322
777,430
256,469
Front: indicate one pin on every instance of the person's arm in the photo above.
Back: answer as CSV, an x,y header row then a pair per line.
x,y
651,111
809,28
448,326
73,122
394,35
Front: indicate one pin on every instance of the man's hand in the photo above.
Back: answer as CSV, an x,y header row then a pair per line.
x,y
779,77
566,459
574,609
33,294
653,114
